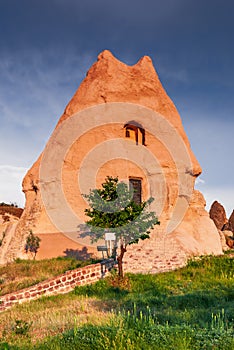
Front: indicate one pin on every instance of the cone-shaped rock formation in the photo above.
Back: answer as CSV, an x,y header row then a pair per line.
x,y
152,122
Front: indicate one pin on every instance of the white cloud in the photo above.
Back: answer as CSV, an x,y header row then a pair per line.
x,y
199,181
10,184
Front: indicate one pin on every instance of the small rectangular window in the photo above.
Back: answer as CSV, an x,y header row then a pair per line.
x,y
127,133
136,184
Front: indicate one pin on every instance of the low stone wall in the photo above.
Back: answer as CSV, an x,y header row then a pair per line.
x,y
59,284
156,255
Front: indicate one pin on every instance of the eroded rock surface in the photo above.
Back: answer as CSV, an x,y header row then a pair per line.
x,y
225,226
111,81
230,225
9,218
218,215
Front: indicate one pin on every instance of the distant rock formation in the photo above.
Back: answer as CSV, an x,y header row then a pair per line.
x,y
224,225
223,239
109,83
230,225
218,215
229,238
12,210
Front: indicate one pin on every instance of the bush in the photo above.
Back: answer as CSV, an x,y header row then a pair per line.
x,y
21,327
32,244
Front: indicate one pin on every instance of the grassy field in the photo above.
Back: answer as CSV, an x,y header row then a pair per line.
x,y
24,273
191,308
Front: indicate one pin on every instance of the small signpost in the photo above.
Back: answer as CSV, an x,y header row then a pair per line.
x,y
110,242
110,247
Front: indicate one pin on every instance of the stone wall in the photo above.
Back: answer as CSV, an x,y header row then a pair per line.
x,y
61,284
156,255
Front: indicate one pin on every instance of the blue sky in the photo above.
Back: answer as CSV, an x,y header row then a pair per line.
x,y
46,47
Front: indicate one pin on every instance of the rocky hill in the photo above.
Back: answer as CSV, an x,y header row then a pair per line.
x,y
6,209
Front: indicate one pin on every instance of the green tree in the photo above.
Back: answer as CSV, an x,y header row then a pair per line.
x,y
112,209
32,244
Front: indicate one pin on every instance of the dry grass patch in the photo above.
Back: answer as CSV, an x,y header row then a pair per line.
x,y
52,315
24,273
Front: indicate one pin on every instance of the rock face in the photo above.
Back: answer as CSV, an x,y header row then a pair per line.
x,y
230,225
9,218
224,240
218,215
229,238
141,120
225,226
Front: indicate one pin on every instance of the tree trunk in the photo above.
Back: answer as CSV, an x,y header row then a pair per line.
x,y
120,260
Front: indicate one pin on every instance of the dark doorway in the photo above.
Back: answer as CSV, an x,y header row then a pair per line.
x,y
136,184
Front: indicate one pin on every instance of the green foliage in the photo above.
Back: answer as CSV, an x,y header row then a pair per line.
x,y
191,308
32,244
113,208
3,204
137,331
189,295
112,287
21,327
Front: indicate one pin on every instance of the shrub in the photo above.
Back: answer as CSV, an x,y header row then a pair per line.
x,y
32,244
21,327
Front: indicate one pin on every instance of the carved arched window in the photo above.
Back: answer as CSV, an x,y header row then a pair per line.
x,y
135,132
